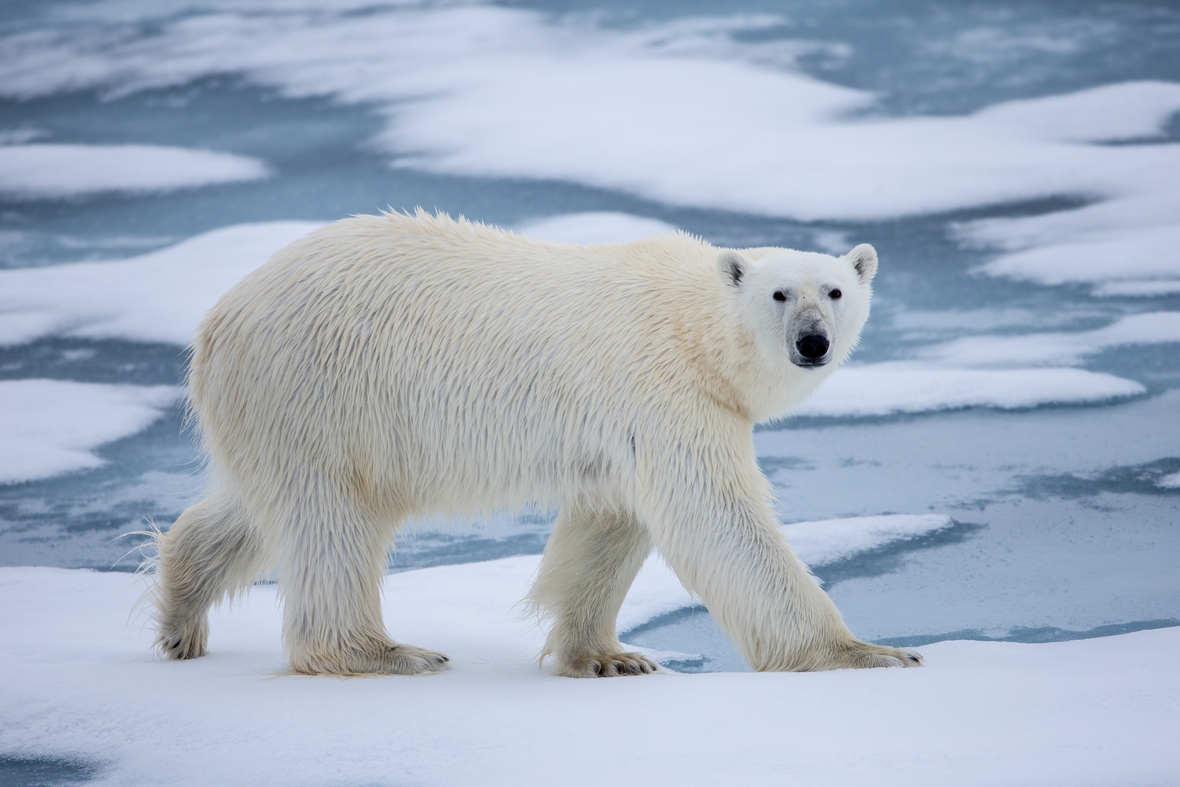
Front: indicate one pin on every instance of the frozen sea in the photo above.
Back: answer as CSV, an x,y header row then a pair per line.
x,y
1015,402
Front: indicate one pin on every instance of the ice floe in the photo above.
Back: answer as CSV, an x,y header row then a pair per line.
x,y
680,113
51,171
53,426
1060,348
157,297
1170,481
1135,261
896,387
80,683
594,227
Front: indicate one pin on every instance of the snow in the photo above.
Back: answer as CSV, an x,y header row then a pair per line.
x,y
827,541
156,297
653,111
897,387
1137,289
490,91
1170,481
51,171
657,591
594,227
53,426
1126,245
79,681
1057,348
1135,254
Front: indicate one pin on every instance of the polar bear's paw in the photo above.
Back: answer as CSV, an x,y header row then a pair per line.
x,y
385,659
178,641
405,660
607,666
865,655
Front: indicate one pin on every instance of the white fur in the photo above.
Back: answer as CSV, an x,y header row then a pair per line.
x,y
394,365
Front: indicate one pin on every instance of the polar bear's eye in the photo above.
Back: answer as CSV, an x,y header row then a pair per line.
x,y
779,295
835,294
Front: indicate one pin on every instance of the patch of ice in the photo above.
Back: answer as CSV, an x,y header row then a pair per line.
x,y
1137,289
19,136
1102,114
657,591
1131,254
53,426
157,297
1126,245
47,171
902,387
594,227
824,542
832,241
1057,348
493,91
80,682
1171,481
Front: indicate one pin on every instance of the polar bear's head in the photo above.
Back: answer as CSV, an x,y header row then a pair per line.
x,y
805,307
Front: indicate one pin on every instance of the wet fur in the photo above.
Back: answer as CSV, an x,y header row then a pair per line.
x,y
390,366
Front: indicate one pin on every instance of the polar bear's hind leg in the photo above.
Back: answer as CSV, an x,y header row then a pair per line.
x,y
330,577
213,550
590,562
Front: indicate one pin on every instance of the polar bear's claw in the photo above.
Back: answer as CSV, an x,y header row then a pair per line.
x,y
181,645
408,660
608,666
385,659
864,655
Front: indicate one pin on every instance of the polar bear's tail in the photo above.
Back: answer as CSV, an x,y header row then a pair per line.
x,y
212,551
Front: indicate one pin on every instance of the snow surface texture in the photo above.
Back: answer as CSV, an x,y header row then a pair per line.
x,y
504,92
44,171
53,426
594,227
1037,349
80,682
1170,481
511,93
157,297
899,387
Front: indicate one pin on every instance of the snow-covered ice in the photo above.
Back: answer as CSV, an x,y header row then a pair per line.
x,y
53,426
80,683
157,297
594,227
1059,348
610,118
909,387
501,92
1170,481
52,171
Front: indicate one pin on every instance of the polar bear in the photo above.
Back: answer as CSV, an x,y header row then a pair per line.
x,y
396,365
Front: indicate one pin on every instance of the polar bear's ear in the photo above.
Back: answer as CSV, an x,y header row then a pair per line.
x,y
733,267
864,259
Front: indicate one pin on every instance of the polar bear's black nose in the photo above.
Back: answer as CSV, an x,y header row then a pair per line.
x,y
813,347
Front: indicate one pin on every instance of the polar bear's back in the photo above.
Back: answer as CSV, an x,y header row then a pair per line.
x,y
444,359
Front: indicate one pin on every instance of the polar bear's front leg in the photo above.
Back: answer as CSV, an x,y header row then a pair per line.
x,y
590,562
710,517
